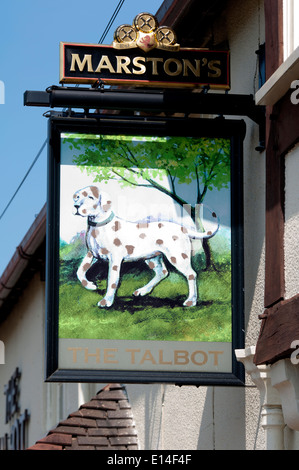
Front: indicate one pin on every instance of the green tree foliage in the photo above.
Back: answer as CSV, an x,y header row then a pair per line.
x,y
144,161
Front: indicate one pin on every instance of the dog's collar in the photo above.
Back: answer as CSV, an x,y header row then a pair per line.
x,y
91,223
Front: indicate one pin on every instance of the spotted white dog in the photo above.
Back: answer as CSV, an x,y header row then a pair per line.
x,y
116,240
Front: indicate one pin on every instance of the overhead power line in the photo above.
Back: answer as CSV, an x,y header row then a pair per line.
x,y
23,180
110,22
107,29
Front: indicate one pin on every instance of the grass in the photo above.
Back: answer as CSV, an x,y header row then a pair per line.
x,y
158,316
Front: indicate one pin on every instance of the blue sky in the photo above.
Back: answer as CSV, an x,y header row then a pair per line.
x,y
30,33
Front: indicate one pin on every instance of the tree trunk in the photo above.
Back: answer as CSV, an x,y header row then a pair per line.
x,y
205,242
209,255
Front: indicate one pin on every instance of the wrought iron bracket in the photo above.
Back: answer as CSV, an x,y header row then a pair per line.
x,y
169,101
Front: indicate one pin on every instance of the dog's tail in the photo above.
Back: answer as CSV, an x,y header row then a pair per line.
x,y
207,234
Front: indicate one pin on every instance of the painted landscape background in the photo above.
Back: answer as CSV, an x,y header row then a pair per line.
x,y
157,177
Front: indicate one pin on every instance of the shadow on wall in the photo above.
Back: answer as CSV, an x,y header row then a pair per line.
x,y
223,420
169,417
2,353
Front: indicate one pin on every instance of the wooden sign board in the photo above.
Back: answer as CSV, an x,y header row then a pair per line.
x,y
144,55
144,257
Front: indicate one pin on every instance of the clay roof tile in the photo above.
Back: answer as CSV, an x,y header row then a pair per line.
x,y
105,422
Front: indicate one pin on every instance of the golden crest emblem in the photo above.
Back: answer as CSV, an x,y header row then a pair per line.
x,y
145,34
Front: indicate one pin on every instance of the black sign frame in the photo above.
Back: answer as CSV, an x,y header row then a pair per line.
x,y
234,130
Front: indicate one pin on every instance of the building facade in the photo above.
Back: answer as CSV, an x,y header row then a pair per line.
x,y
261,36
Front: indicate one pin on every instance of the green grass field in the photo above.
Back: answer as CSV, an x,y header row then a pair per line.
x,y
159,316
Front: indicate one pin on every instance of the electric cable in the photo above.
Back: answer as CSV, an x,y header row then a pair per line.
x,y
23,180
107,29
110,22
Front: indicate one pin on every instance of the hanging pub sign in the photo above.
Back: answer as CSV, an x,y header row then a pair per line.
x,y
144,55
144,257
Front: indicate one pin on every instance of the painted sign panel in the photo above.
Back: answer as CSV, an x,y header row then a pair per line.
x,y
145,250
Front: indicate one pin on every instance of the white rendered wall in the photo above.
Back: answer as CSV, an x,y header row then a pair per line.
x,y
291,237
23,334
167,417
290,26
217,417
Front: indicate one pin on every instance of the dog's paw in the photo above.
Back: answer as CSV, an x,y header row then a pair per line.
x,y
190,302
104,303
88,285
142,291
137,292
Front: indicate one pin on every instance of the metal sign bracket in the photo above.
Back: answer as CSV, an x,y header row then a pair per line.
x,y
169,101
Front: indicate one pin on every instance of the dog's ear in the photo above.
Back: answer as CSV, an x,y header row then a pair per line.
x,y
105,201
95,191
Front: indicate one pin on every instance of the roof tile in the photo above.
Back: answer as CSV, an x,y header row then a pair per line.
x,y
81,422
104,405
40,446
121,414
103,432
125,440
89,413
56,438
93,440
105,422
73,430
